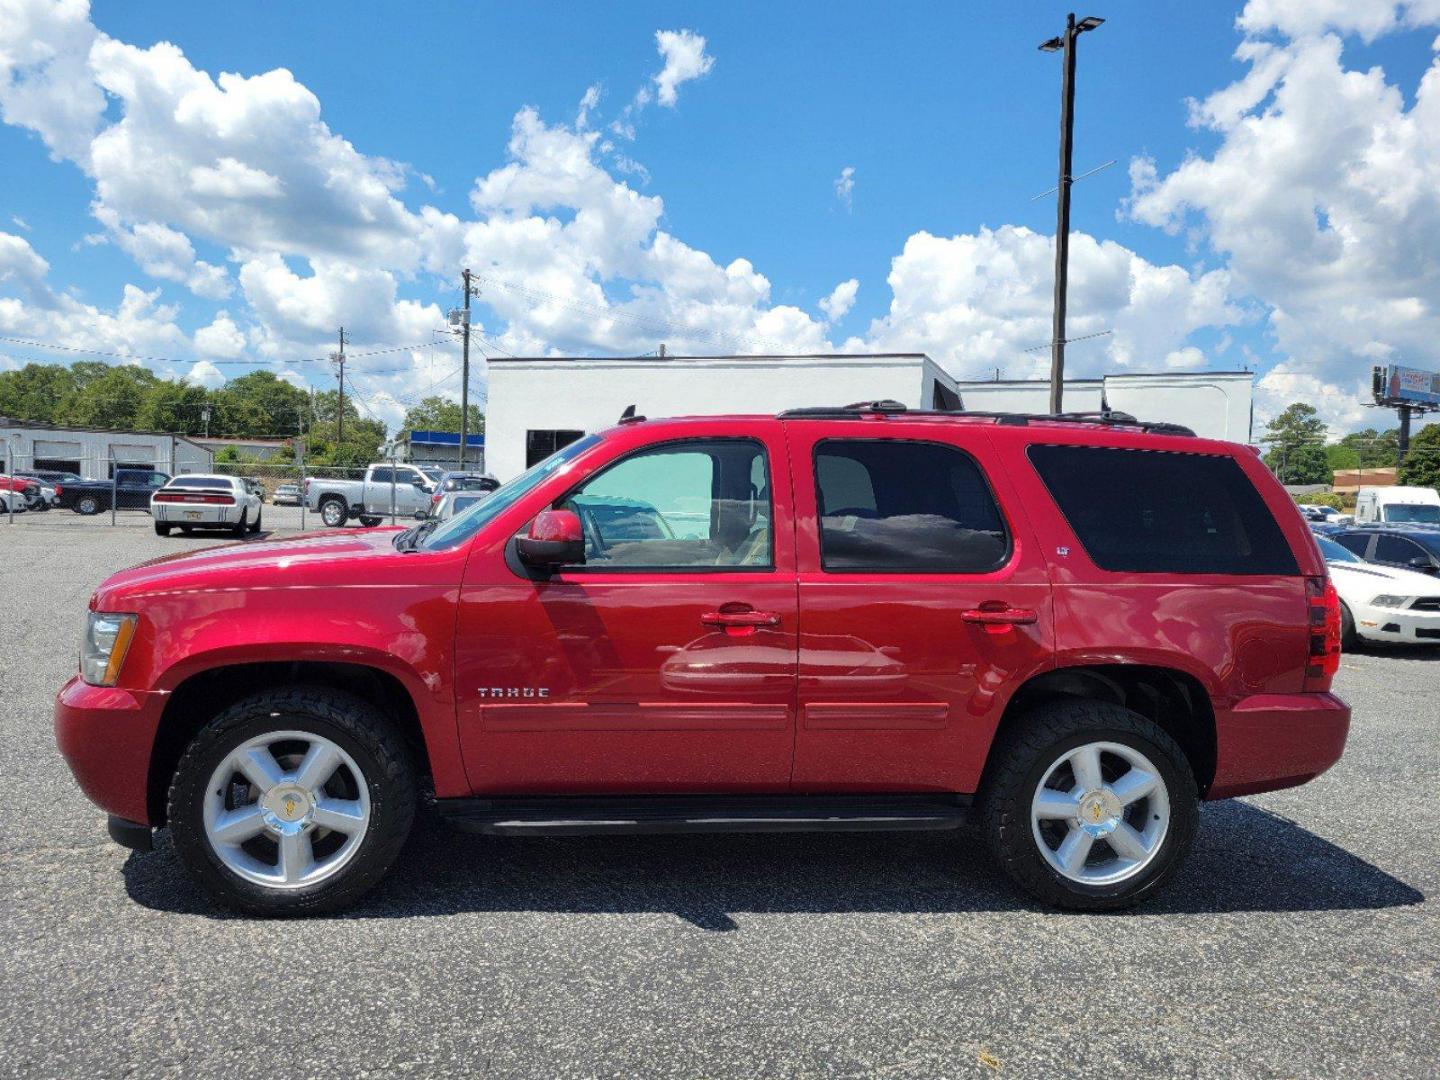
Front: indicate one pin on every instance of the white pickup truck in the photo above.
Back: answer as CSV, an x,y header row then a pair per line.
x,y
403,488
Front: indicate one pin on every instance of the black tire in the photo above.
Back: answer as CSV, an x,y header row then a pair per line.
x,y
255,528
241,527
162,528
365,733
1349,636
369,521
88,505
333,507
1022,759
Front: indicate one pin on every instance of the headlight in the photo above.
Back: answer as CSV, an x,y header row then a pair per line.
x,y
107,639
1386,600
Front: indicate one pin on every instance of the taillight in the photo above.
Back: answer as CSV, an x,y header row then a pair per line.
x,y
1323,605
435,499
211,500
59,491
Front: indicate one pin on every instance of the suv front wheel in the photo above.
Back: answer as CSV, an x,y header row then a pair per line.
x,y
1090,805
293,801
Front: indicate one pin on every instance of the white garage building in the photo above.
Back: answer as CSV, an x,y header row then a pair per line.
x,y
25,445
538,404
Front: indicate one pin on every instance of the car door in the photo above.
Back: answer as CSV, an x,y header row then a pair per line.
x,y
665,663
1402,552
135,489
922,603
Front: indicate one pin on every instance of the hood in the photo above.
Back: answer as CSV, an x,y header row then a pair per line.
x,y
1357,577
336,558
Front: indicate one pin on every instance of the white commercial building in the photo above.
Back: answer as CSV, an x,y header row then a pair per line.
x,y
536,405
91,452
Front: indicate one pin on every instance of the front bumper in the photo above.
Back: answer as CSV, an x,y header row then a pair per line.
x,y
1400,625
1271,741
106,735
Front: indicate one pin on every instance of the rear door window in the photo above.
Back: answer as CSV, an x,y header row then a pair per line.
x,y
1157,511
906,507
1356,542
1397,550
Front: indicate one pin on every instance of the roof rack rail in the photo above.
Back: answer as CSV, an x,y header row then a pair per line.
x,y
1106,418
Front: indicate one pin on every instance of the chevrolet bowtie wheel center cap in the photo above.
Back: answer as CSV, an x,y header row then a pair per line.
x,y
287,807
1100,813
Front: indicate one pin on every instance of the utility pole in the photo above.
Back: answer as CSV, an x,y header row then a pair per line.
x,y
1065,43
205,414
465,374
338,358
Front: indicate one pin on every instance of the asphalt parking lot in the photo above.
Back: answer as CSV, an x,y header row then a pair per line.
x,y
1301,939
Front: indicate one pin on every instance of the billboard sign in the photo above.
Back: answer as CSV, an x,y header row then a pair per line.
x,y
1411,386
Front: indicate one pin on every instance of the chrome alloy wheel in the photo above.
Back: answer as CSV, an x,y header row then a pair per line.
x,y
1101,813
286,809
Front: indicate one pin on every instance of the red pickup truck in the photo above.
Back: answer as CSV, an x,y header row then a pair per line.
x,y
1066,631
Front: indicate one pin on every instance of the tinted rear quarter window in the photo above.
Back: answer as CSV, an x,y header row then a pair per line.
x,y
1158,511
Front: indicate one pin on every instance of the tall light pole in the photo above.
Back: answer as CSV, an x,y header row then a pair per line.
x,y
465,376
1066,44
338,359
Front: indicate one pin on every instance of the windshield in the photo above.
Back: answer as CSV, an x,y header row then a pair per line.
x,y
1423,512
463,526
1333,552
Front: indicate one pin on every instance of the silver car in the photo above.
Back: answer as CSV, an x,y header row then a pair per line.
x,y
205,501
456,502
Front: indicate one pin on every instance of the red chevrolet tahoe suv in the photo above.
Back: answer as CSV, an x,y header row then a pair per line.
x,y
1067,631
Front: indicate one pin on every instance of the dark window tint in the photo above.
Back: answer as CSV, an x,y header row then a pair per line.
x,y
540,444
199,482
1356,542
1153,511
1396,549
382,475
905,506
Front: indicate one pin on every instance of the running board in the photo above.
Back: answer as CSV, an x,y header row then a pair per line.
x,y
577,815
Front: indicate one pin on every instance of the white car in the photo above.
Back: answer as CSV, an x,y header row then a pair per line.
x,y
1327,514
205,501
1382,603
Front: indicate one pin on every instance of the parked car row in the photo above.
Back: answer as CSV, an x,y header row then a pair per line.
x,y
389,488
1386,566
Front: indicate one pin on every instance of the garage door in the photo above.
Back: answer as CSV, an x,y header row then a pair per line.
x,y
134,456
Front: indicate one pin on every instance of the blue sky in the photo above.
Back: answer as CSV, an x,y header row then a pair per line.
x,y
1272,205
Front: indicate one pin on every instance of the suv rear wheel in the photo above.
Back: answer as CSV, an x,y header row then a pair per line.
x,y
1091,806
293,801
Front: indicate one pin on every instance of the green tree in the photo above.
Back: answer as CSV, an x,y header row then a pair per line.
x,y
441,414
259,405
35,391
1297,446
1373,449
1422,460
109,398
176,407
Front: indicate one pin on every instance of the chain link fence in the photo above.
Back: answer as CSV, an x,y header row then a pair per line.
x,y
107,486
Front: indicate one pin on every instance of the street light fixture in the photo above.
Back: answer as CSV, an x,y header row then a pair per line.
x,y
1064,43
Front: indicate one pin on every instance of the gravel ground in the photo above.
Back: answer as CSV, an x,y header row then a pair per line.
x,y
1301,939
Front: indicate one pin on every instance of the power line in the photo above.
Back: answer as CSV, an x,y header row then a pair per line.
x,y
202,360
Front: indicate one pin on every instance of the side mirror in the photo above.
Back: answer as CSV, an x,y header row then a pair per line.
x,y
555,539
1424,565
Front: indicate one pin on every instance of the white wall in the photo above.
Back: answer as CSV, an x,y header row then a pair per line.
x,y
93,448
1216,405
589,395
